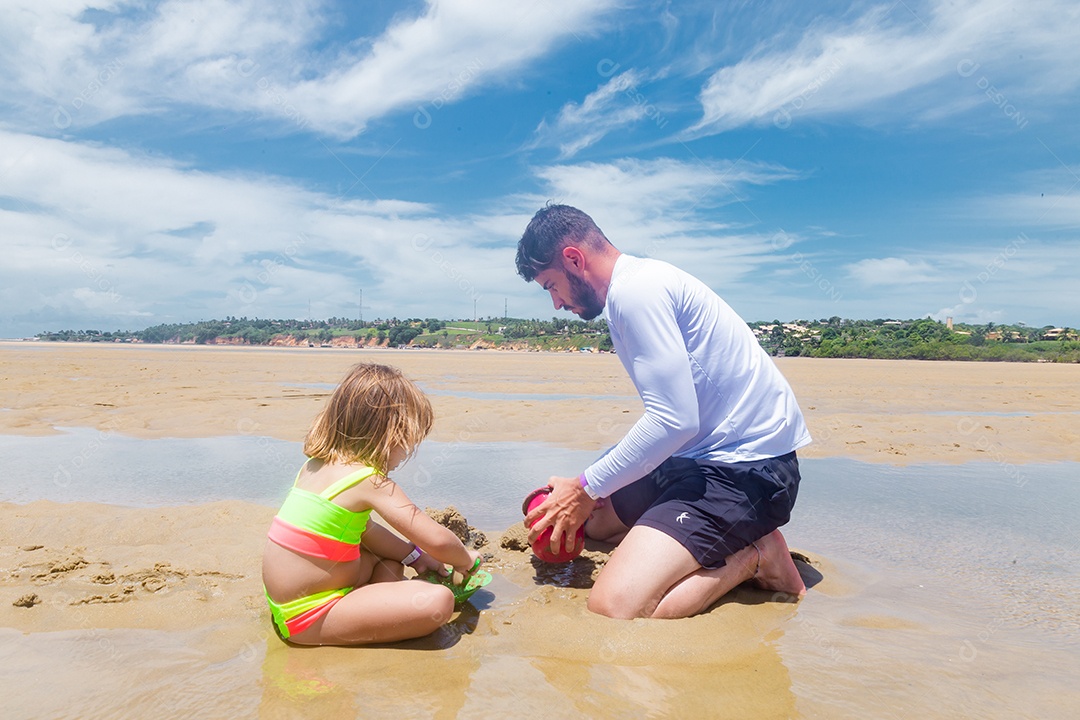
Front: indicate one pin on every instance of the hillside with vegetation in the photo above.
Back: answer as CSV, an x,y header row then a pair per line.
x,y
922,339
514,334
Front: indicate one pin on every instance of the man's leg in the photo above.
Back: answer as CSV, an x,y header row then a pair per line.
x,y
604,524
642,569
682,512
766,563
652,575
777,571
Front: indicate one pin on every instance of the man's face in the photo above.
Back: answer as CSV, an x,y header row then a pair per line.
x,y
569,292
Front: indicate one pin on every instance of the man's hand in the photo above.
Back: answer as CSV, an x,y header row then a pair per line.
x,y
566,509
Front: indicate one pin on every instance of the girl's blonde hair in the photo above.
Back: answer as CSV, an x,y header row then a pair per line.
x,y
372,412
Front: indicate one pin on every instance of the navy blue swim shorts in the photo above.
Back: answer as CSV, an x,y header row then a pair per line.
x,y
712,509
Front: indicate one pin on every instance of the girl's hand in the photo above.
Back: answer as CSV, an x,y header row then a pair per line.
x,y
467,570
426,563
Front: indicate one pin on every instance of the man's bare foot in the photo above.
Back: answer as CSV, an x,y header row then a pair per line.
x,y
776,570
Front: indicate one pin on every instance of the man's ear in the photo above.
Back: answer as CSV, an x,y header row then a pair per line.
x,y
573,258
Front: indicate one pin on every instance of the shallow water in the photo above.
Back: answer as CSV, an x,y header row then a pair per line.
x,y
209,674
486,481
938,591
956,592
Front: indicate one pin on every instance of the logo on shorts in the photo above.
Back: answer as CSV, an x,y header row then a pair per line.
x,y
682,516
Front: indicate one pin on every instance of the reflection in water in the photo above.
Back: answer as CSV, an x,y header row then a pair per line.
x,y
580,573
545,655
376,681
754,685
296,683
507,662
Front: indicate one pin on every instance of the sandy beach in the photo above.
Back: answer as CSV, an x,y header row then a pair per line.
x,y
893,411
131,610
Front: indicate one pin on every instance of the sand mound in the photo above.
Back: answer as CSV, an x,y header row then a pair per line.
x,y
451,518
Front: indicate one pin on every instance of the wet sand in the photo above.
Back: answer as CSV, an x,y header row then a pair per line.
x,y
193,573
147,610
894,411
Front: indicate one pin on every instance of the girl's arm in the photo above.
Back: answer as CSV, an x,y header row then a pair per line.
x,y
384,543
389,546
393,505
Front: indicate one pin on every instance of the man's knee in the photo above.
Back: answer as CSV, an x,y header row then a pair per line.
x,y
614,605
640,573
602,605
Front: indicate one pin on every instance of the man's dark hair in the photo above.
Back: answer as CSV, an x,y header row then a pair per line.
x,y
552,228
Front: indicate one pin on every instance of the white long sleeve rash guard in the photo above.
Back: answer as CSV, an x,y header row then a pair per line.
x,y
710,391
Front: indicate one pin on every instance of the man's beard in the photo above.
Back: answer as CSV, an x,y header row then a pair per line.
x,y
584,297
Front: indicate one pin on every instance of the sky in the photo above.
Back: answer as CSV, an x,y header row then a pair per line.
x,y
186,160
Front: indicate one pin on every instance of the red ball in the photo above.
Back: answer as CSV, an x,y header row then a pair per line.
x,y
542,545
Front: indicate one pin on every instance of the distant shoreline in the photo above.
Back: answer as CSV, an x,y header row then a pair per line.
x,y
835,337
1069,352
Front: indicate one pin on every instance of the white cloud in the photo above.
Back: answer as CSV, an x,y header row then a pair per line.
x,y
972,315
891,271
439,57
942,50
992,280
669,209
101,237
242,56
79,63
637,189
615,104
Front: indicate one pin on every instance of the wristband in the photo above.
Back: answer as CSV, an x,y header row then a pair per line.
x,y
413,556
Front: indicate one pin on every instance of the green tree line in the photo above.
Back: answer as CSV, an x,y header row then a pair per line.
x,y
835,337
922,339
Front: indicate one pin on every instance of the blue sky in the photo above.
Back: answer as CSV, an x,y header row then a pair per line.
x,y
187,160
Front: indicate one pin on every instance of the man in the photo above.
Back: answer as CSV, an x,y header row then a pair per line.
x,y
695,491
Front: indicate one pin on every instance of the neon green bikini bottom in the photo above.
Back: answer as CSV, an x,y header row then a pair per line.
x,y
298,615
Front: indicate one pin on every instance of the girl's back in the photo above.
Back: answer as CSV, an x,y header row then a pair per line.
x,y
289,573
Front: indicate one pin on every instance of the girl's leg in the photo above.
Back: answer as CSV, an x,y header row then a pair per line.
x,y
382,612
384,570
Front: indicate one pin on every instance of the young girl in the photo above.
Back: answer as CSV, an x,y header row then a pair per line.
x,y
333,577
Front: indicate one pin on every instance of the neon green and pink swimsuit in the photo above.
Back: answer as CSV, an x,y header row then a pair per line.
x,y
311,524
